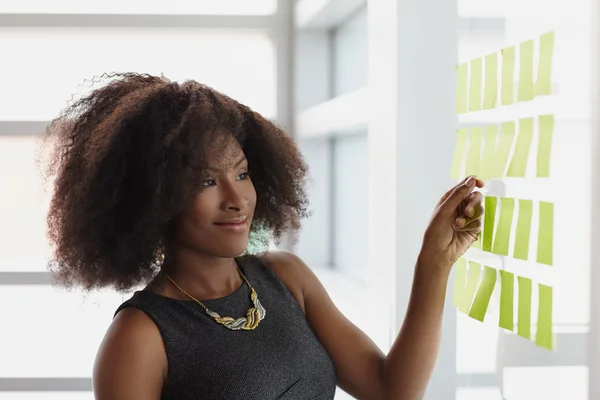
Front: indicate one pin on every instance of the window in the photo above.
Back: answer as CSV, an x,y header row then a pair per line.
x,y
70,56
486,353
222,7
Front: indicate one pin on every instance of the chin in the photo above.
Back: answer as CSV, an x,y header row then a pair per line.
x,y
230,250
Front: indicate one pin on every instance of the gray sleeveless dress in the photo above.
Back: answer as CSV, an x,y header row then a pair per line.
x,y
280,359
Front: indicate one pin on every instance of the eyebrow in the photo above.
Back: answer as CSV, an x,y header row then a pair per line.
x,y
235,166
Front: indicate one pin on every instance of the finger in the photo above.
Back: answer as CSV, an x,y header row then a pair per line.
x,y
474,226
460,193
449,192
474,200
464,221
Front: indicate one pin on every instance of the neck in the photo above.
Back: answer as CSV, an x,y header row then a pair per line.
x,y
203,276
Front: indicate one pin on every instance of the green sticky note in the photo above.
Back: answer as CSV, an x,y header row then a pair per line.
x,y
471,286
507,288
475,85
518,164
460,280
459,152
490,89
543,84
490,137
523,230
488,222
502,237
546,131
544,336
524,318
526,71
545,233
484,293
462,80
474,152
508,76
500,158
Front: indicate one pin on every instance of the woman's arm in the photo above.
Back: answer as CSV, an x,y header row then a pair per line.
x,y
131,362
362,369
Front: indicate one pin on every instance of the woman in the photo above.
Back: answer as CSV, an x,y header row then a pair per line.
x,y
166,185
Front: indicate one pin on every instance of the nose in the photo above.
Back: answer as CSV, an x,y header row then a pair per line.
x,y
233,198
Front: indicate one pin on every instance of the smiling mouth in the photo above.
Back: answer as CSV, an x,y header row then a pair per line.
x,y
239,224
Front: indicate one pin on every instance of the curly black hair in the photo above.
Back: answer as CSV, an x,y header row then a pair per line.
x,y
127,158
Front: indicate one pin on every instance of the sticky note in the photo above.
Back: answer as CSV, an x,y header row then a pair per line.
x,y
546,131
544,337
460,280
462,80
523,230
505,142
526,71
543,84
459,152
484,293
490,137
474,152
473,276
545,233
518,164
489,218
524,317
507,288
476,73
490,89
508,76
502,237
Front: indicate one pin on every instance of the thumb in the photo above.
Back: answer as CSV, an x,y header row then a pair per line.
x,y
459,193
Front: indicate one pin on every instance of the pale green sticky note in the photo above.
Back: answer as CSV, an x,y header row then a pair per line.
x,y
545,233
490,89
507,289
489,219
508,76
462,80
523,230
526,71
524,318
475,84
546,131
474,152
518,164
544,336
543,85
490,137
460,280
502,237
484,293
459,152
500,159
472,282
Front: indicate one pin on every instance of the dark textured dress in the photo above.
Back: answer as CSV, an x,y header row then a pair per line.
x,y
280,359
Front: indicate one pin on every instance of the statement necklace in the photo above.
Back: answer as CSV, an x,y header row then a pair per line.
x,y
248,323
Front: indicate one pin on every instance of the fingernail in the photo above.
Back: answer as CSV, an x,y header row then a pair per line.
x,y
459,223
470,211
469,181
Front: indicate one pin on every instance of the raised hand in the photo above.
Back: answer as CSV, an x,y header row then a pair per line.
x,y
455,224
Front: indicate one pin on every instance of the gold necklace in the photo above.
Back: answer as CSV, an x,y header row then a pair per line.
x,y
253,316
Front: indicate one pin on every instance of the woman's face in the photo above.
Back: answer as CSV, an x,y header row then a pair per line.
x,y
217,222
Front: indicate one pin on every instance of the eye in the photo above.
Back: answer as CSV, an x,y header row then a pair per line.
x,y
243,176
209,182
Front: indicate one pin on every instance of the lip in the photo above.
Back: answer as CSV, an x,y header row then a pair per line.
x,y
238,224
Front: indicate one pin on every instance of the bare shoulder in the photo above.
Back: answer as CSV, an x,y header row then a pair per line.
x,y
131,362
292,271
